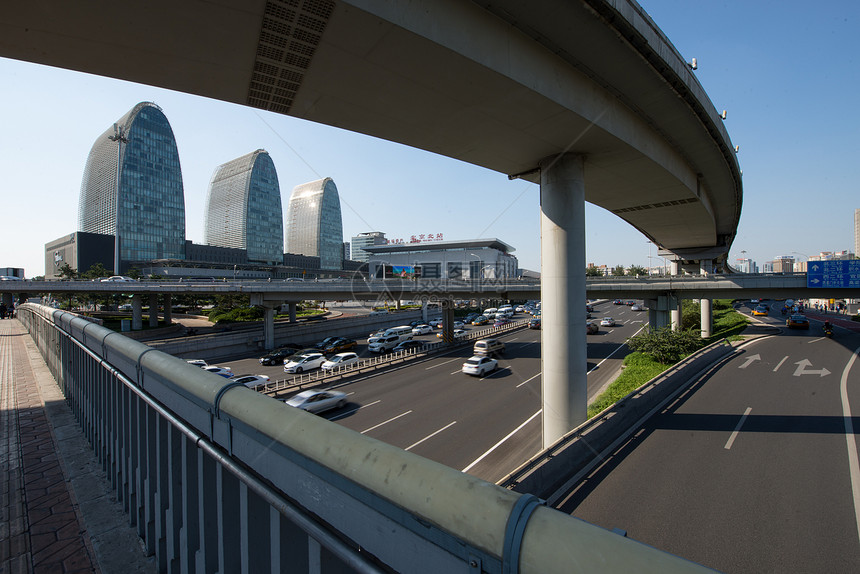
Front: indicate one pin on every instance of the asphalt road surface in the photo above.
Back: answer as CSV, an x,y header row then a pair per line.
x,y
754,470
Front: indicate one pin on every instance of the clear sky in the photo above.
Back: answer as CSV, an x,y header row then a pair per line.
x,y
787,72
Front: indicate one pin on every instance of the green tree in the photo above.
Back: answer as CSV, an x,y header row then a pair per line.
x,y
66,272
637,270
593,272
95,271
618,271
134,273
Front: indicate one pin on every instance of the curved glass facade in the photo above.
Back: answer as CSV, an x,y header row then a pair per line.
x,y
314,223
151,198
243,208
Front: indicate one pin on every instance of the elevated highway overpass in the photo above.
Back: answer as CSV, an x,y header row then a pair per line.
x,y
587,98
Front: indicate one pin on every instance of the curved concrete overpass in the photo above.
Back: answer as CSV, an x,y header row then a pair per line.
x,y
502,85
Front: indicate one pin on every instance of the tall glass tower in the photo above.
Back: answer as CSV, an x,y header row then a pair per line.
x,y
314,224
151,201
243,208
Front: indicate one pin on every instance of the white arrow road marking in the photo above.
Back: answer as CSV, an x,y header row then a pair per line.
x,y
801,369
750,360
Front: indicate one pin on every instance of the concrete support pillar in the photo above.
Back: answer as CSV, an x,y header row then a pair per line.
x,y
137,312
153,310
660,310
397,304
563,356
269,328
706,267
424,312
448,321
675,267
707,318
291,306
675,313
168,308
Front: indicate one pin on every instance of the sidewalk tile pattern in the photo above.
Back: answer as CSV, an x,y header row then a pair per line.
x,y
40,531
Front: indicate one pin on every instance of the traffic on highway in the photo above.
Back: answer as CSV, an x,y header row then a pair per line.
x,y
485,423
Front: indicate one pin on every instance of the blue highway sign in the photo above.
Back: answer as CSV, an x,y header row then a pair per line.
x,y
842,273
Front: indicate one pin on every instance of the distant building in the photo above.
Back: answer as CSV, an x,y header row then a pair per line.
x,y
469,259
746,265
151,201
314,224
783,264
346,251
80,251
243,208
857,231
368,239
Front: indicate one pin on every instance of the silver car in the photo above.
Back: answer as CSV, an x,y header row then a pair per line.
x,y
317,401
305,363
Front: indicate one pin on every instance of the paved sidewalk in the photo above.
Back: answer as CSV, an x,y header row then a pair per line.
x,y
57,513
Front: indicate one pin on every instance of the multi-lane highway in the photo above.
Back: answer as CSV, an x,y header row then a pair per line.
x,y
485,426
753,470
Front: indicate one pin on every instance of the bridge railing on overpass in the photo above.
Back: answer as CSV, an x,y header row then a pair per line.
x,y
217,477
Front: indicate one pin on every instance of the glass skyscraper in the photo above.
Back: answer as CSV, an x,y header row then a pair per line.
x,y
314,224
243,208
151,200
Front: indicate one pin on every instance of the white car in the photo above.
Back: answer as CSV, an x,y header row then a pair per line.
x,y
607,322
225,372
118,279
305,363
197,362
457,333
340,360
637,307
317,401
458,325
250,381
422,330
480,366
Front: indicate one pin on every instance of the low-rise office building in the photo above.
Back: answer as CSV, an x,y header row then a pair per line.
x,y
468,260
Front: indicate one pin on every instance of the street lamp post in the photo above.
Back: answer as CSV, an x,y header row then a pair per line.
x,y
120,138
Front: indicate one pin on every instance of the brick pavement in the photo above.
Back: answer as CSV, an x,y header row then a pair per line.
x,y
57,511
40,527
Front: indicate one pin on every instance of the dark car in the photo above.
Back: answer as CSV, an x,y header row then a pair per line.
x,y
618,302
797,321
325,342
408,345
339,345
277,356
534,323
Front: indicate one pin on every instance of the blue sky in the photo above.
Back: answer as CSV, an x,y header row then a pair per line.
x,y
786,72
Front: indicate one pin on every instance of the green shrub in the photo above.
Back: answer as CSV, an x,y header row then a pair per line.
x,y
665,345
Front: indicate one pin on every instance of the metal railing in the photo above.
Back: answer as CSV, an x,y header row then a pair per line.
x,y
218,478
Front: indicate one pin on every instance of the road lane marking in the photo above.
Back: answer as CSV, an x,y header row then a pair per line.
x,y
527,380
429,436
445,363
732,438
386,422
802,370
340,416
750,360
498,444
780,363
850,439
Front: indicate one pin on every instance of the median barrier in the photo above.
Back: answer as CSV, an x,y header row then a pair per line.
x,y
588,444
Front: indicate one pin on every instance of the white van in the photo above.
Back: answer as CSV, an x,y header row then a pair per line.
x,y
491,312
401,331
